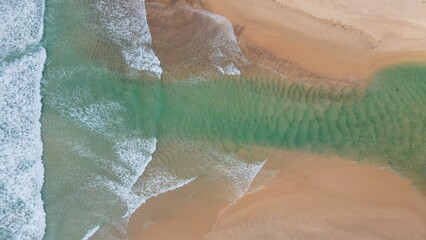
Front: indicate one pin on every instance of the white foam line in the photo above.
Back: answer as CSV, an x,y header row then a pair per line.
x,y
239,173
227,51
260,166
90,233
125,23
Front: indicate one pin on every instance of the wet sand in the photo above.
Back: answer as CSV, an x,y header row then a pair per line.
x,y
333,39
311,197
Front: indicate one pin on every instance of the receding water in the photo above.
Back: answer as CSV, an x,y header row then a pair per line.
x,y
112,140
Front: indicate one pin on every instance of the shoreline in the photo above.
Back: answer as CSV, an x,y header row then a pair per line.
x,y
310,195
339,47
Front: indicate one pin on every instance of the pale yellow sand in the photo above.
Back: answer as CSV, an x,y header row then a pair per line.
x,y
331,38
312,197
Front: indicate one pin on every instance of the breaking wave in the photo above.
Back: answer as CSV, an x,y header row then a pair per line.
x,y
21,170
125,23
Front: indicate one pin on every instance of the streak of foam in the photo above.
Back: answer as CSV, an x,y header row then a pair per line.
x,y
226,169
100,116
226,51
195,37
263,178
160,183
90,233
125,23
133,153
230,69
240,174
21,170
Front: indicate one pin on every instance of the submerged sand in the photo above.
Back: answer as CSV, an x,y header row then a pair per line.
x,y
329,38
312,197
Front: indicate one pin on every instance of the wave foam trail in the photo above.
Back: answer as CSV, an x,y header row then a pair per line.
x,y
21,171
135,155
90,233
125,23
226,51
214,47
160,183
241,175
133,152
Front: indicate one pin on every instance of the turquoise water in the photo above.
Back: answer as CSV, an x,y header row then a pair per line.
x,y
89,114
114,137
387,120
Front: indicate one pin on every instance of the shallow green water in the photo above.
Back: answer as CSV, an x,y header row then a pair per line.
x,y
387,120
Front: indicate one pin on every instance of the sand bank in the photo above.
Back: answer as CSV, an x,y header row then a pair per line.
x,y
311,197
329,38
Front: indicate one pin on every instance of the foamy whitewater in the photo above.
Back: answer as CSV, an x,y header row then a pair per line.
x,y
192,37
126,25
133,153
21,169
226,51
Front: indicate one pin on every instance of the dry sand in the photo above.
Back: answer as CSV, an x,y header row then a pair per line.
x,y
330,38
312,197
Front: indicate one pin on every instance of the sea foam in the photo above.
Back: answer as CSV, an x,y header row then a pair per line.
x,y
226,51
21,25
21,169
193,37
90,233
133,152
239,174
125,23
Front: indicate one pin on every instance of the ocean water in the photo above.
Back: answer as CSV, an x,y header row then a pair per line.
x,y
21,170
115,134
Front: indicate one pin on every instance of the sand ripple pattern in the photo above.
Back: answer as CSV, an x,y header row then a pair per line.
x,y
385,122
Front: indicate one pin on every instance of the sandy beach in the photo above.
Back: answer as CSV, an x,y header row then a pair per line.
x,y
328,38
311,197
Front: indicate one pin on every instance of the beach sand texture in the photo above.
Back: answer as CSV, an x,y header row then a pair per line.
x,y
311,197
330,38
